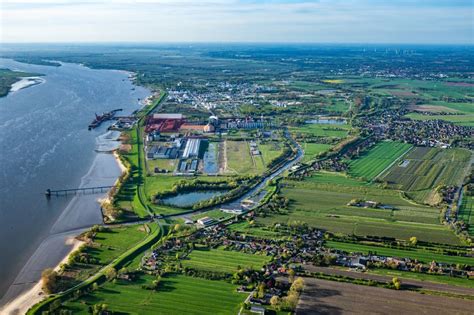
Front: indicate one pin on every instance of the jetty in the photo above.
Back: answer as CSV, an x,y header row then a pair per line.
x,y
99,119
65,192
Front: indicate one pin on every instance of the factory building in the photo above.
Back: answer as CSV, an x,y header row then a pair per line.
x,y
192,148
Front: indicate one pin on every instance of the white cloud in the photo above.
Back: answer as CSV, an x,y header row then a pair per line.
x,y
228,20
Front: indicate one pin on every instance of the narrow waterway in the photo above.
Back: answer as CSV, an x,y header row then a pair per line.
x,y
44,144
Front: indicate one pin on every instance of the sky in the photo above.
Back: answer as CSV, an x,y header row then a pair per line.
x,y
281,21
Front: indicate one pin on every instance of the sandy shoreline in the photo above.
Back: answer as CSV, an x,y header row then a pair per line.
x,y
26,82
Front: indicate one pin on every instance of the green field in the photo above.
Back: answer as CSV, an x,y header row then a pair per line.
x,y
177,295
461,120
416,253
321,130
111,243
321,201
162,164
223,260
311,150
377,159
253,230
466,213
332,178
239,160
424,169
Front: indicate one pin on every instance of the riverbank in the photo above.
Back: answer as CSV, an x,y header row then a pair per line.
x,y
49,146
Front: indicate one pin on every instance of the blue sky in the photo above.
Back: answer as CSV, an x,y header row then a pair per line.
x,y
318,21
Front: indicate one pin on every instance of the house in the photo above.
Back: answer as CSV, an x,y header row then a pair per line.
x,y
206,221
257,309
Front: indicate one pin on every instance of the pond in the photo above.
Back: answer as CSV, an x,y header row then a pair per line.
x,y
210,159
191,198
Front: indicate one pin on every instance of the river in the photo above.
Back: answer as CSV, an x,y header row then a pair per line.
x,y
44,143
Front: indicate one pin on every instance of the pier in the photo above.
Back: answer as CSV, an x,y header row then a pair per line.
x,y
65,192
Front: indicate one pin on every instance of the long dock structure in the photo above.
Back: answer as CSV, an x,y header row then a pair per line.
x,y
59,192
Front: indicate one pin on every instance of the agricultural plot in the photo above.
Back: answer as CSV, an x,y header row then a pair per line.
x,y
177,294
424,169
415,253
377,159
241,161
461,120
346,298
466,213
311,150
223,260
324,205
255,230
321,130
332,178
428,90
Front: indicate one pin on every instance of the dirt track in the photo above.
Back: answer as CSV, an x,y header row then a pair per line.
x,y
330,297
413,283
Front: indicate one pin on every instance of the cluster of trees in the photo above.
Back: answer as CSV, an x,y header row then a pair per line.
x,y
276,204
210,275
289,302
154,285
50,281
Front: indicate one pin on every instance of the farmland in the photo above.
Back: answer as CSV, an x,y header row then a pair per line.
x,y
240,161
324,205
466,212
311,150
461,120
335,297
415,253
377,159
222,261
176,295
321,130
112,242
423,169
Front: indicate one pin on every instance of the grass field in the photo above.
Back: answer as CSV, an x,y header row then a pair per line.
x,y
377,159
321,201
466,213
239,160
311,150
115,241
257,231
331,178
321,130
416,253
162,164
177,295
223,260
461,120
424,168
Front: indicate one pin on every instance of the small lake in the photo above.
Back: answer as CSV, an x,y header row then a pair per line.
x,y
327,121
191,198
